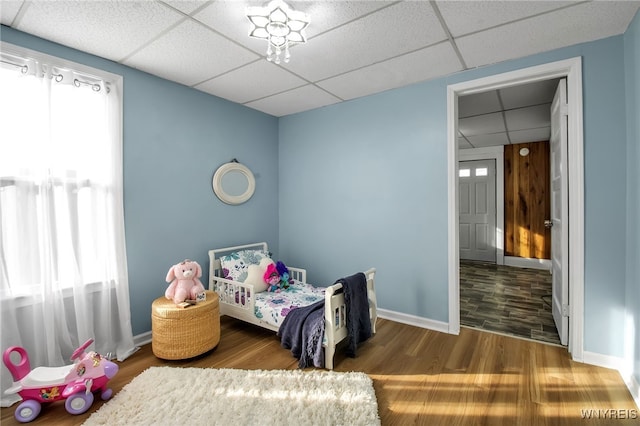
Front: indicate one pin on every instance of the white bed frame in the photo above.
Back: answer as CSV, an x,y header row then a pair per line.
x,y
237,301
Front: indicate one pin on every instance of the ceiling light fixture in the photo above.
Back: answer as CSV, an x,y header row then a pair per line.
x,y
280,25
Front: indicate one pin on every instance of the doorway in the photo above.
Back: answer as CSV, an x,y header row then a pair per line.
x,y
572,69
512,298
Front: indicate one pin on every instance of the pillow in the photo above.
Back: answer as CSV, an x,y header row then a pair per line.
x,y
234,265
255,275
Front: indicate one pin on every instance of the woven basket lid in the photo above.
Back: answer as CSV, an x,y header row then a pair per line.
x,y
165,308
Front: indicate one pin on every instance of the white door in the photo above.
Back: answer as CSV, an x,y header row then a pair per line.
x,y
559,212
477,192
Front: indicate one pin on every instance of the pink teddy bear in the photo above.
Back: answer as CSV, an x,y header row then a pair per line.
x,y
184,281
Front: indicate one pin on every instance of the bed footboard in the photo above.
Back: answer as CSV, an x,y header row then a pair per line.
x,y
335,316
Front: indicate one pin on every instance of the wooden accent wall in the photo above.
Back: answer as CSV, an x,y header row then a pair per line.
x,y
527,201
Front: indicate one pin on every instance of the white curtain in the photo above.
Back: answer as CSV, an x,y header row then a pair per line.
x,y
63,269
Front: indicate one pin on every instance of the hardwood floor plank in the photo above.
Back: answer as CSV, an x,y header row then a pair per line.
x,y
422,377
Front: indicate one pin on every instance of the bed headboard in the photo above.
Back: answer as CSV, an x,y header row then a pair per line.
x,y
215,254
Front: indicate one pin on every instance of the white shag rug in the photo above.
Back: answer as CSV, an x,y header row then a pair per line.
x,y
230,397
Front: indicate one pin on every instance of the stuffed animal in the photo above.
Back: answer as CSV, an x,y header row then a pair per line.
x,y
277,277
285,278
184,281
271,275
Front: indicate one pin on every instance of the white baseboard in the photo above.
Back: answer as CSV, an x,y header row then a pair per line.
x,y
525,262
619,364
142,339
606,361
634,388
414,320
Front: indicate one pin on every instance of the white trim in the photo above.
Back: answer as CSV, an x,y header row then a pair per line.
x,y
452,204
634,388
421,322
619,364
142,339
527,262
572,69
492,153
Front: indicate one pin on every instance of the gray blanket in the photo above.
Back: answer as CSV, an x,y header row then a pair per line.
x,y
357,304
302,331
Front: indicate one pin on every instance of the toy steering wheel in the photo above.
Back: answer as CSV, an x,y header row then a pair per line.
x,y
80,350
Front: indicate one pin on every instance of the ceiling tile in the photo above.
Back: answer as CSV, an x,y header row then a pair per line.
x,y
528,118
208,55
293,101
251,82
494,139
530,135
478,104
367,41
464,17
230,19
325,15
537,93
8,11
463,144
432,62
576,24
111,29
185,6
481,124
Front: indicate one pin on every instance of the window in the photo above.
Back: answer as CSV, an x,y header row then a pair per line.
x,y
465,173
63,269
60,173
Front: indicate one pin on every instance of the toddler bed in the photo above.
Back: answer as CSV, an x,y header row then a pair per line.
x,y
268,309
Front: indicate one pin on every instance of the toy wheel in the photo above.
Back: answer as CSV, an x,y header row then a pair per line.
x,y
27,411
106,394
79,402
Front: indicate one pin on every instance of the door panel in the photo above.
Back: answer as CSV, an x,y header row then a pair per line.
x,y
527,201
559,212
477,205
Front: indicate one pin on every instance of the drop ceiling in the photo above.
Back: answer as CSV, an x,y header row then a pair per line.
x,y
354,49
518,114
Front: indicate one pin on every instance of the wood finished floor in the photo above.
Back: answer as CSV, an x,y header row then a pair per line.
x,y
421,377
505,299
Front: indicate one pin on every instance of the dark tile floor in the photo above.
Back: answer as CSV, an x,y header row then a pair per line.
x,y
508,300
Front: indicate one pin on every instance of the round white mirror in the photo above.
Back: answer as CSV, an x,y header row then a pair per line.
x,y
233,183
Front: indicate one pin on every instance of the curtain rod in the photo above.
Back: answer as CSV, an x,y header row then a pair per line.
x,y
24,69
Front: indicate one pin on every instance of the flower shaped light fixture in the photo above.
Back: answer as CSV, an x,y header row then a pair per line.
x,y
280,25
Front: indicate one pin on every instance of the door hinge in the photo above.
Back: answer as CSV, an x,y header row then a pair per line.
x,y
565,310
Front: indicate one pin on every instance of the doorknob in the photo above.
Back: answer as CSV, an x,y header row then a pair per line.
x,y
548,223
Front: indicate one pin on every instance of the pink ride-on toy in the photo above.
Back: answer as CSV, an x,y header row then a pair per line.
x,y
76,382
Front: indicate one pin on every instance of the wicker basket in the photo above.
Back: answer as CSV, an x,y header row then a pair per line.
x,y
181,333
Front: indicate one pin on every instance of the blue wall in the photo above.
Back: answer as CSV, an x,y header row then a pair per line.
x,y
632,71
369,183
369,187
360,184
174,140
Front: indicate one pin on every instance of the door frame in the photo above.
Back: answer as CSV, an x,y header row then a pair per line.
x,y
572,70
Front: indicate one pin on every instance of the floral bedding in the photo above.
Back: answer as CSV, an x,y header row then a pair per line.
x,y
273,307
